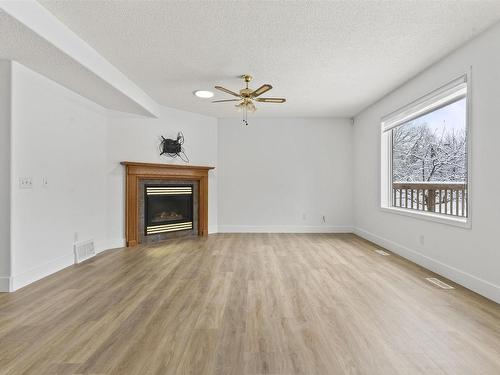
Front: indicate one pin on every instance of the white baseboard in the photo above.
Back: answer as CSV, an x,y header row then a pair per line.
x,y
213,229
5,285
53,266
41,271
284,229
474,283
478,285
111,244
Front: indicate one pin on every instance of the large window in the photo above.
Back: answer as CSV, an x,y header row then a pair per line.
x,y
424,155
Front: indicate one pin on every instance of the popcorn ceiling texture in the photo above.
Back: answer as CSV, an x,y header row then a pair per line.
x,y
19,43
326,58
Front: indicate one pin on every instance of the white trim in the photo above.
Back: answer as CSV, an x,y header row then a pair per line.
x,y
443,96
430,216
391,121
43,270
474,283
5,284
469,131
40,21
117,243
284,229
212,229
111,244
48,268
465,279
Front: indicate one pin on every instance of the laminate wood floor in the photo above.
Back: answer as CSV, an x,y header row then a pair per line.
x,y
248,304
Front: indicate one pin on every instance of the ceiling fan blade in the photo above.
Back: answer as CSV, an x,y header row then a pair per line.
x,y
271,100
226,100
227,91
261,90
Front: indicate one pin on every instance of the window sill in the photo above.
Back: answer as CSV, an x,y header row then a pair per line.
x,y
428,216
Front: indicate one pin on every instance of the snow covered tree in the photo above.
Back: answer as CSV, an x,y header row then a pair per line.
x,y
421,154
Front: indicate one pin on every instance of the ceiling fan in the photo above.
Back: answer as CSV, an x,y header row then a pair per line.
x,y
247,96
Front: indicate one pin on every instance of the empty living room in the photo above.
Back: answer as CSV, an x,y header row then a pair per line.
x,y
248,187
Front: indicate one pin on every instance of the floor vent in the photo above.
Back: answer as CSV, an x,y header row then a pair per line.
x,y
84,250
439,283
382,252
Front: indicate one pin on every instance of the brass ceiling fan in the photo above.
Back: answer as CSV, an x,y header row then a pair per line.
x,y
247,96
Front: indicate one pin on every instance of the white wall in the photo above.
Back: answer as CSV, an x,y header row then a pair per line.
x,y
280,174
5,107
58,135
284,175
77,146
469,256
134,138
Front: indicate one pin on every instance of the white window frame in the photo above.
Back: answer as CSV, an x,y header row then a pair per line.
x,y
444,95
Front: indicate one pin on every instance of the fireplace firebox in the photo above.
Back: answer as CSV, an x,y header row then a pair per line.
x,y
168,208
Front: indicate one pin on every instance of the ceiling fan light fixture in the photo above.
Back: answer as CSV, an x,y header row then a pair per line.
x,y
251,107
246,97
204,94
246,105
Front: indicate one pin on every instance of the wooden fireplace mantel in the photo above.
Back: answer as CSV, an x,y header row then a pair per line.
x,y
141,171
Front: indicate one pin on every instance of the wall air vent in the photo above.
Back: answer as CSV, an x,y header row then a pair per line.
x,y
439,283
382,252
84,250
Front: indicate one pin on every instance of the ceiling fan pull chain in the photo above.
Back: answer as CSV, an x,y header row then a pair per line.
x,y
245,116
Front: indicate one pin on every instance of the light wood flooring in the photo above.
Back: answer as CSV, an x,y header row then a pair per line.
x,y
248,304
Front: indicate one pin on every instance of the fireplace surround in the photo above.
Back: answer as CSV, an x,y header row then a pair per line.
x,y
169,178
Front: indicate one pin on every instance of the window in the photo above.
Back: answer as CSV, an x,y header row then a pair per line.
x,y
425,155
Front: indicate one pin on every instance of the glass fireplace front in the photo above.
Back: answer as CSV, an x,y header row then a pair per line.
x,y
168,208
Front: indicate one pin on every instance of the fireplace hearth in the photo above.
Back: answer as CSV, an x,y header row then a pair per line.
x,y
168,208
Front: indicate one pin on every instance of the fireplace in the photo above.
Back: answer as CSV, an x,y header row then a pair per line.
x,y
167,208
140,175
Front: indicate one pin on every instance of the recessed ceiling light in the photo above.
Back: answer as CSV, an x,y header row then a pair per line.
x,y
203,94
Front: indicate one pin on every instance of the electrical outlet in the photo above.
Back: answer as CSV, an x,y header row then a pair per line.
x,y
324,219
422,240
25,183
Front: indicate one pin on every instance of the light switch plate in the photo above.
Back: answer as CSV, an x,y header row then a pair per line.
x,y
25,183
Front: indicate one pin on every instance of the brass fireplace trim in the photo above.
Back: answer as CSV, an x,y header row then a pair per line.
x,y
169,190
155,229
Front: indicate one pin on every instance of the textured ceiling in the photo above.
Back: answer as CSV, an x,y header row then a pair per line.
x,y
326,58
21,44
